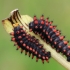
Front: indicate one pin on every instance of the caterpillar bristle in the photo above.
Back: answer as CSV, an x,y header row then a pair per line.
x,y
29,54
21,51
42,61
36,59
33,56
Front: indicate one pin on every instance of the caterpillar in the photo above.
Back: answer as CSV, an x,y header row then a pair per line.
x,y
29,44
36,37
50,34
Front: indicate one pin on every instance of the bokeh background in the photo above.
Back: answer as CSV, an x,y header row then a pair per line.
x,y
56,10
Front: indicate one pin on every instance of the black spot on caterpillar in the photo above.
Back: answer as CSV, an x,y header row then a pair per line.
x,y
50,34
30,44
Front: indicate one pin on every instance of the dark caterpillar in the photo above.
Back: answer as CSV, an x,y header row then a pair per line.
x,y
29,44
50,34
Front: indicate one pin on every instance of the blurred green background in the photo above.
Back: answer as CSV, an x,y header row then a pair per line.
x,y
56,10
